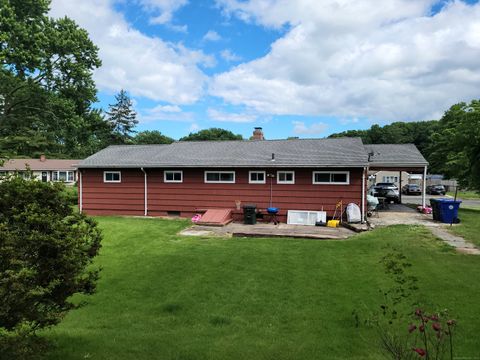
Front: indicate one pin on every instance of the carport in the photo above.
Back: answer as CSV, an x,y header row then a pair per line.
x,y
398,157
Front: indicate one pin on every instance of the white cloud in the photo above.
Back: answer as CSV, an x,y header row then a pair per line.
x,y
228,55
211,35
351,58
351,120
164,10
217,115
165,113
299,128
194,127
145,66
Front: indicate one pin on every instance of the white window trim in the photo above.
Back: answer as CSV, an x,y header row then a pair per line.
x,y
172,171
331,183
286,182
250,181
112,181
219,182
57,172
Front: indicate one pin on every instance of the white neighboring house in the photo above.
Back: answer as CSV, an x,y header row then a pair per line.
x,y
43,169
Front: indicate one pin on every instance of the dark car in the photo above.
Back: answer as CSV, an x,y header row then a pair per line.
x,y
411,189
390,194
386,186
435,190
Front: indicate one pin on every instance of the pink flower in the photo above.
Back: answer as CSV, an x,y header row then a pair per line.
x,y
434,317
436,326
421,328
420,351
412,328
451,322
418,312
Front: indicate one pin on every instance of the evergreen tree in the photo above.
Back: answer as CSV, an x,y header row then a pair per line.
x,y
122,118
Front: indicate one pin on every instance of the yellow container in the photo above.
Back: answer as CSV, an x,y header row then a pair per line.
x,y
333,223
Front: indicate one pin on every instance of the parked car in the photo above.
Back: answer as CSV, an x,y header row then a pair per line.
x,y
436,190
388,192
411,189
390,186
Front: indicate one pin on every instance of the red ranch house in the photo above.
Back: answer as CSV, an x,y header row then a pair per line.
x,y
186,178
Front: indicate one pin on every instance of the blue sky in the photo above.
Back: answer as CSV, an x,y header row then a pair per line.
x,y
304,68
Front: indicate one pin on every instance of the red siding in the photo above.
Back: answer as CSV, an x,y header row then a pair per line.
x,y
127,197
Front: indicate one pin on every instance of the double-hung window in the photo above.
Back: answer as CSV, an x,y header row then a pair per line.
x,y
220,177
112,176
256,177
173,176
285,177
331,177
64,176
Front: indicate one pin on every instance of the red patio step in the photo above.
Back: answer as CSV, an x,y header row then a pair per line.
x,y
216,217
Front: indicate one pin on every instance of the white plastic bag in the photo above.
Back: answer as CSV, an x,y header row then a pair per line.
x,y
354,214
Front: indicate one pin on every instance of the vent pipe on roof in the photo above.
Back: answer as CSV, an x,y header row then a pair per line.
x,y
273,156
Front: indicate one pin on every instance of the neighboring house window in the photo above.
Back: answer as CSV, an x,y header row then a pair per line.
x,y
173,176
331,177
256,177
112,176
24,175
285,177
3,174
220,176
390,179
65,176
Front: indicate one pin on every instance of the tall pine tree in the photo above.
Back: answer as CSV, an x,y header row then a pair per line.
x,y
122,117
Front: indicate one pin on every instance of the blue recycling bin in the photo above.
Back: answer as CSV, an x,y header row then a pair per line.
x,y
448,213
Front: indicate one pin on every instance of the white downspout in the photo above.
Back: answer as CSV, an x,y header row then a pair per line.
x,y
363,195
424,185
80,190
145,201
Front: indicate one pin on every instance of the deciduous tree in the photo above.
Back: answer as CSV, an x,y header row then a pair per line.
x,y
215,134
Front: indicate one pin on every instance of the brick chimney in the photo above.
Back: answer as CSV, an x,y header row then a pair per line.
x,y
258,134
43,158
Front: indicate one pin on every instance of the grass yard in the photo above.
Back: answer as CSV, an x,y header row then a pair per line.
x,y
162,296
465,195
469,227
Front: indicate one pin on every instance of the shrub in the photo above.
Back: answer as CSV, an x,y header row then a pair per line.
x,y
45,254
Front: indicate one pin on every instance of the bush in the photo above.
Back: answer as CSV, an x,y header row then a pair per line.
x,y
72,194
45,252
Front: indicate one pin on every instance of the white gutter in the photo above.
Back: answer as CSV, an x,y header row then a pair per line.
x,y
145,201
363,195
80,191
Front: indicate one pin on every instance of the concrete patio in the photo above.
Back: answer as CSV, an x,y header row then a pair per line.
x,y
398,214
270,230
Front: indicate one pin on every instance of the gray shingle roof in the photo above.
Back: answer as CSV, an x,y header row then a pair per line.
x,y
339,152
395,155
38,165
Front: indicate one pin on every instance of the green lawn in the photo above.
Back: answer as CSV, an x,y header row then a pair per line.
x,y
162,296
469,227
466,195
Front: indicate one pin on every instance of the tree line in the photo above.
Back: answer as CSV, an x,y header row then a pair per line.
x,y
451,145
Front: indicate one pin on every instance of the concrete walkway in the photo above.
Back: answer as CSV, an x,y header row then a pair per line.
x,y
403,215
459,243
